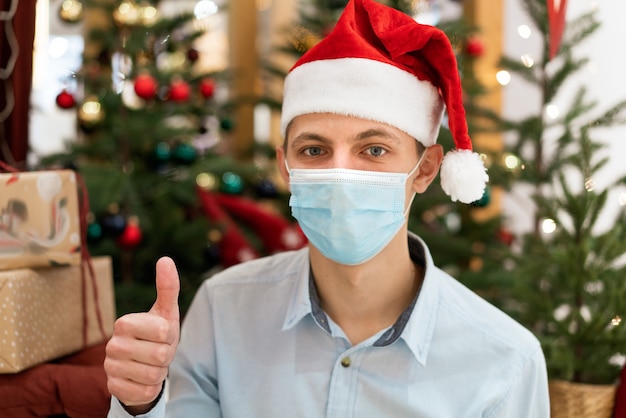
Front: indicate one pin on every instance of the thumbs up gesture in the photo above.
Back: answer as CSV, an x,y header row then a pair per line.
x,y
143,345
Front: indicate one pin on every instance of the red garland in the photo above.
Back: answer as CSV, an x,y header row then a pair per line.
x,y
276,233
234,247
556,20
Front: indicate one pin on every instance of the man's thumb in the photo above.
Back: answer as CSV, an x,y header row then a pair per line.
x,y
167,288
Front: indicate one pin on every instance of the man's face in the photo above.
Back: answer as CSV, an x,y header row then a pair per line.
x,y
324,140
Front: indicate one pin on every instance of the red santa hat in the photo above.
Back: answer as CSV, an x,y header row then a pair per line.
x,y
379,64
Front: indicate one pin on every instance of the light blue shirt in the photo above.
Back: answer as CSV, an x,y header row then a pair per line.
x,y
255,344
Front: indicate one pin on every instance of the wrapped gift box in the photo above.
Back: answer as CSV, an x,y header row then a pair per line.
x,y
42,316
39,219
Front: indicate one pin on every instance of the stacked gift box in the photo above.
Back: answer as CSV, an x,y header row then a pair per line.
x,y
54,299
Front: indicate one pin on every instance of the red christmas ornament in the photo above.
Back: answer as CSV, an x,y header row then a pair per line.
x,y
207,88
505,236
65,100
146,86
179,91
474,47
131,236
193,54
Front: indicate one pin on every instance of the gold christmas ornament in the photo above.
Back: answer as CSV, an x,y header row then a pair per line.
x,y
126,14
71,11
215,236
143,59
148,15
207,181
90,112
171,61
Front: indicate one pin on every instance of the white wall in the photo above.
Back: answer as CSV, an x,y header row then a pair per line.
x,y
604,78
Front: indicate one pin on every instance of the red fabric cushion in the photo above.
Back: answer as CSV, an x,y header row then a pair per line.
x,y
74,386
620,397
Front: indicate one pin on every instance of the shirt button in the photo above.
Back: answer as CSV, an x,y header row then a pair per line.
x,y
345,362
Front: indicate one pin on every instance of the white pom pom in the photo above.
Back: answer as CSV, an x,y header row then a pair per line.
x,y
463,176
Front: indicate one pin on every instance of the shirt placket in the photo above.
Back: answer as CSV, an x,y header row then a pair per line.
x,y
343,383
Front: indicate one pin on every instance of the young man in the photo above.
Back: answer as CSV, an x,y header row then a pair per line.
x,y
361,323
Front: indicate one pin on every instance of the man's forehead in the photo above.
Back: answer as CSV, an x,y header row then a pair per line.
x,y
323,126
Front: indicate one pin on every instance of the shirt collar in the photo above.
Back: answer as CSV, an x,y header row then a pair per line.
x,y
419,330
416,252
415,325
301,302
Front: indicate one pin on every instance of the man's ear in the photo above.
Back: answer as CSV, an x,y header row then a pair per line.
x,y
280,160
428,169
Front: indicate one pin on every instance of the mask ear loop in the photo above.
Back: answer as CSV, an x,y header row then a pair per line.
x,y
419,162
287,167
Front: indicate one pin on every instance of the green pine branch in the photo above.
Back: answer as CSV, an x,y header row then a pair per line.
x,y
569,285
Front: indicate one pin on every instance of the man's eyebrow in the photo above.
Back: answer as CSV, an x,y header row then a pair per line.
x,y
367,134
383,133
308,136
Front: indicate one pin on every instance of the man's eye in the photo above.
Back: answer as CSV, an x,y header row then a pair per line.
x,y
376,151
313,151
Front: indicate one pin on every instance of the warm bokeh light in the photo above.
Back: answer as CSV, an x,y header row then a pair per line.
x,y
503,77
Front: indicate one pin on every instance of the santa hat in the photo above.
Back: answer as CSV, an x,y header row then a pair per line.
x,y
380,64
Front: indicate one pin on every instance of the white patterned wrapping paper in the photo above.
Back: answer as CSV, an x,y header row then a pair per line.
x,y
39,219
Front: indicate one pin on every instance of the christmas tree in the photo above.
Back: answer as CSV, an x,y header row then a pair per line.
x,y
568,271
154,148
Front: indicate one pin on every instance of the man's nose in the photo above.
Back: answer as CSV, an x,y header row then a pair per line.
x,y
343,159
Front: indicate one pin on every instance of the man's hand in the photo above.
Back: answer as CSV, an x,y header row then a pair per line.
x,y
143,345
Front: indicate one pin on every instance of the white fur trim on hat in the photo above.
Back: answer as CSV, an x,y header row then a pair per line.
x,y
463,176
364,88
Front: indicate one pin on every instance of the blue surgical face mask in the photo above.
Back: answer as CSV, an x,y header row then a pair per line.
x,y
349,215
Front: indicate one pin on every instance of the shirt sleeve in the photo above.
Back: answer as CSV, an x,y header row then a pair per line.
x,y
118,411
528,394
193,388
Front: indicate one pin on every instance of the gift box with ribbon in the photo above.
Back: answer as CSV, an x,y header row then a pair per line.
x,y
47,313
39,219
